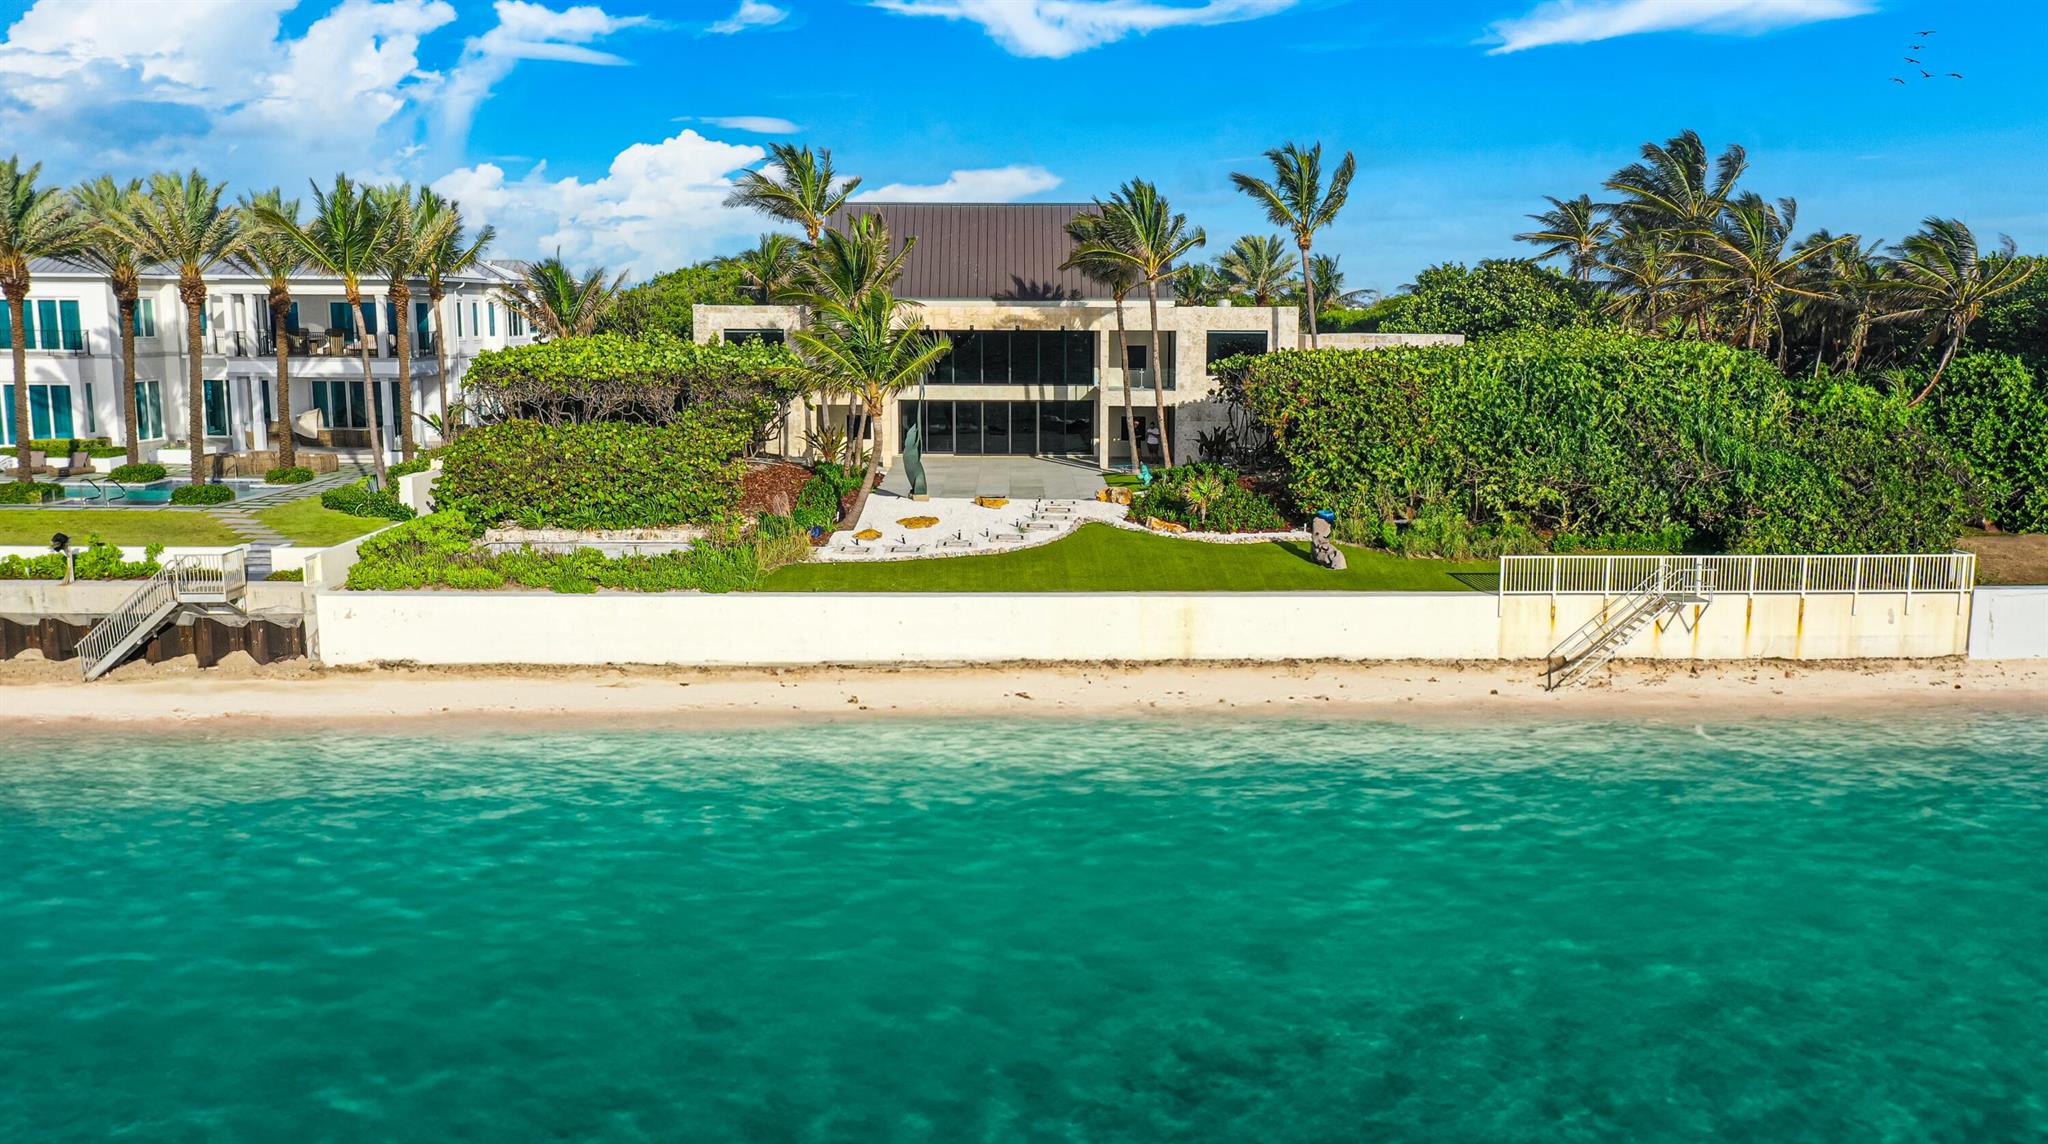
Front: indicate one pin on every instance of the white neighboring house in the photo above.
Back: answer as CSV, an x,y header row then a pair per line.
x,y
74,357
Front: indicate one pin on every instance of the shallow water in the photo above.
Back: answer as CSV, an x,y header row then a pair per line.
x,y
1272,931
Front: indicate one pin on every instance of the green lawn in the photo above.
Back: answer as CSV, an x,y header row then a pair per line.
x,y
170,527
308,522
1098,558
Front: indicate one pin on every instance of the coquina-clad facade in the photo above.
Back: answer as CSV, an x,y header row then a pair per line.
x,y
1036,367
74,358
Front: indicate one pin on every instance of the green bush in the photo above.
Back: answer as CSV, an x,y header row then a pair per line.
x,y
1592,434
62,447
1992,410
288,475
1500,295
646,379
356,499
139,473
408,468
438,551
288,575
98,561
819,501
603,475
202,494
19,492
1175,494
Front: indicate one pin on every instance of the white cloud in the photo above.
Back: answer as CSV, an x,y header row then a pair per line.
x,y
750,14
660,205
758,124
985,185
524,31
1053,29
1567,22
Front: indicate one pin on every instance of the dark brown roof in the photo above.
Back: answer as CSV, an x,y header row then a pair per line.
x,y
1008,252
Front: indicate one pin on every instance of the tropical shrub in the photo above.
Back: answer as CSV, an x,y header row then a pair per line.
x,y
65,446
1992,410
818,502
293,475
202,494
356,499
602,475
664,303
1601,438
1207,497
408,468
290,575
98,561
1498,296
657,379
139,473
15,492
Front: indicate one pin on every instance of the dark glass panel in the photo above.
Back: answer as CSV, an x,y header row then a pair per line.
x,y
995,428
966,357
1229,343
1080,356
967,426
938,426
1023,427
1024,356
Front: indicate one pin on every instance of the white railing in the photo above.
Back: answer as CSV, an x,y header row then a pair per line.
x,y
1949,573
211,578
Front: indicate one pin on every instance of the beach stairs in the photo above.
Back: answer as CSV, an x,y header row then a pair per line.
x,y
181,581
1660,596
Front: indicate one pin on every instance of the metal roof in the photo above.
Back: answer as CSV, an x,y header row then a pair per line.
x,y
1005,252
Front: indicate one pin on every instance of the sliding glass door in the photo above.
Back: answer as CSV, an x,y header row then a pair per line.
x,y
1002,428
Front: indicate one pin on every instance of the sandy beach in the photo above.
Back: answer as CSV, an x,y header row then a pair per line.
x,y
239,693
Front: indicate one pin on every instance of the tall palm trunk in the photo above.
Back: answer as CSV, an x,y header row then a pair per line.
x,y
355,302
192,291
434,297
1948,354
870,411
1159,378
16,314
1308,286
401,301
280,333
1123,372
126,301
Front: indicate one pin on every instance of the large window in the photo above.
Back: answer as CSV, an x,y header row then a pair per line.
x,y
1230,343
423,326
49,411
1138,370
1001,427
341,403
46,324
766,337
145,317
341,317
149,410
216,407
1018,357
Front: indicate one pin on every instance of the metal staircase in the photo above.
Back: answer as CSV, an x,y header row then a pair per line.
x,y
1659,596
179,581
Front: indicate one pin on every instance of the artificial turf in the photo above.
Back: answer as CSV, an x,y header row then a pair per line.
x,y
169,527
1099,558
308,522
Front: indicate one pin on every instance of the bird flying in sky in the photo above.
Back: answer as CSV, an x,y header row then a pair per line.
x,y
1925,34
1926,75
1896,79
1955,75
1911,60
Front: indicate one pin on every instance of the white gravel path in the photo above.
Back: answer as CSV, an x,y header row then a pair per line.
x,y
967,529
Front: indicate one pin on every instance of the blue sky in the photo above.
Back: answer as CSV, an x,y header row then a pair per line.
x,y
611,130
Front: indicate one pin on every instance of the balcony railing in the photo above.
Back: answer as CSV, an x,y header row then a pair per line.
x,y
82,349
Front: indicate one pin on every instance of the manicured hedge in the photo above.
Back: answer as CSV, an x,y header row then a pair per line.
x,y
603,475
61,447
652,378
408,468
202,494
1596,439
356,499
18,492
98,561
139,473
288,475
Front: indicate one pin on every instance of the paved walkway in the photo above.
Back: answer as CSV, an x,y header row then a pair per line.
x,y
239,517
1020,478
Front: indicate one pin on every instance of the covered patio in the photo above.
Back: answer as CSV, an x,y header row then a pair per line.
x,y
1020,478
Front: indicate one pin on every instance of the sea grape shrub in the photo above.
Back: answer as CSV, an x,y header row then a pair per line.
x,y
601,475
820,501
288,475
141,472
356,499
1589,433
1991,409
408,468
655,379
202,494
1498,296
1177,495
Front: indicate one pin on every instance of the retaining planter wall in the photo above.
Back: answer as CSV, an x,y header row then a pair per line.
x,y
2010,623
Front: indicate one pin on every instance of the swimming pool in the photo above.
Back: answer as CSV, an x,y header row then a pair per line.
x,y
1105,931
100,490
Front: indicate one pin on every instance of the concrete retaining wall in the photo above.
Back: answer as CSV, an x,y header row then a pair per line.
x,y
2010,623
85,598
691,629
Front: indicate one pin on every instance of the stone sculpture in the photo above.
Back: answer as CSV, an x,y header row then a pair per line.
x,y
1320,548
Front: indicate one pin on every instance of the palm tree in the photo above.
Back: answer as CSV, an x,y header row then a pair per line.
x,y
1141,229
1675,190
557,302
1573,229
1744,262
447,253
1858,283
344,238
771,269
1260,269
798,186
1644,277
1942,275
1329,284
873,348
180,221
1199,284
105,203
271,254
1089,230
406,252
1297,200
842,268
35,222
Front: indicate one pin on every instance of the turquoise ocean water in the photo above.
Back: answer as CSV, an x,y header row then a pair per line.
x,y
1255,931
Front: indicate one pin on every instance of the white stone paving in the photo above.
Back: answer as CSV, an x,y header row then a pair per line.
x,y
967,529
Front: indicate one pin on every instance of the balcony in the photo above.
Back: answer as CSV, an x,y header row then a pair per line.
x,y
316,342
